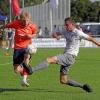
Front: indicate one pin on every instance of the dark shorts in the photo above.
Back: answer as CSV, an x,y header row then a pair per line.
x,y
9,35
18,56
65,60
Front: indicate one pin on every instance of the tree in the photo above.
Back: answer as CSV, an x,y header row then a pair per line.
x,y
79,9
5,6
95,12
85,10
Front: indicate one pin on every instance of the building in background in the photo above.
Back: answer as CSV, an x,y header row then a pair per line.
x,y
41,13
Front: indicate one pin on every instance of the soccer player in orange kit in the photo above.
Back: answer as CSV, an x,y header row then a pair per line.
x,y
25,30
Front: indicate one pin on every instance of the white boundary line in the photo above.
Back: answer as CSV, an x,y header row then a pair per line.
x,y
6,64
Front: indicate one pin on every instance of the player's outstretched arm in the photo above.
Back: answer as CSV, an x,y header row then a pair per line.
x,y
56,35
93,41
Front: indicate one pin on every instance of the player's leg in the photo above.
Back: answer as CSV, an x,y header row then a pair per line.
x,y
17,68
24,74
64,79
18,58
50,60
66,60
24,78
45,63
27,68
27,57
25,63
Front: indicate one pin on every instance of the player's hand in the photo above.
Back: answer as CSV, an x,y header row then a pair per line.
x,y
58,37
28,35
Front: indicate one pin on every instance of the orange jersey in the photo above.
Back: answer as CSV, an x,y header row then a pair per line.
x,y
20,41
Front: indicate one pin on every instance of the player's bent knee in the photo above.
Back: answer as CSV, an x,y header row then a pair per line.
x,y
16,71
63,81
52,59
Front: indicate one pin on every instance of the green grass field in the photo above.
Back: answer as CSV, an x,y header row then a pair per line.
x,y
45,84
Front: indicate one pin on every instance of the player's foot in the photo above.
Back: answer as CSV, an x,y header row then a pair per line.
x,y
24,83
87,88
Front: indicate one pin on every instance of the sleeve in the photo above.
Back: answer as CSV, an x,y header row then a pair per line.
x,y
34,28
81,34
13,24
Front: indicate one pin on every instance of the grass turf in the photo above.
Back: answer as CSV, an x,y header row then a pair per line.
x,y
45,83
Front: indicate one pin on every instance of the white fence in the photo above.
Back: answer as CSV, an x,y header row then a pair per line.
x,y
53,43
41,13
49,43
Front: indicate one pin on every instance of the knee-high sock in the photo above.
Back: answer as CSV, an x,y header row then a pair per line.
x,y
74,83
40,66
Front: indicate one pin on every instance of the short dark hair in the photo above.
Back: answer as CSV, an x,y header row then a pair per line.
x,y
69,19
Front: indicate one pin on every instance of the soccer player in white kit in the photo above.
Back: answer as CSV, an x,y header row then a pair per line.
x,y
66,59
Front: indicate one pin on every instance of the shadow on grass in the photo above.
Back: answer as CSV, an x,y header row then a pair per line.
x,y
53,91
11,89
39,90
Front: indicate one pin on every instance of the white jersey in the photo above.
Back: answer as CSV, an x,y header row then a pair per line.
x,y
72,39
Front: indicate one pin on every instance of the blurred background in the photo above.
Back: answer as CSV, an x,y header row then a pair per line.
x,y
50,14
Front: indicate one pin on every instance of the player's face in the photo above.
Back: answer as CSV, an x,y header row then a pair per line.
x,y
25,21
69,25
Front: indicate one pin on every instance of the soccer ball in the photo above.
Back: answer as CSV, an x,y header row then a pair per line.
x,y
32,49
